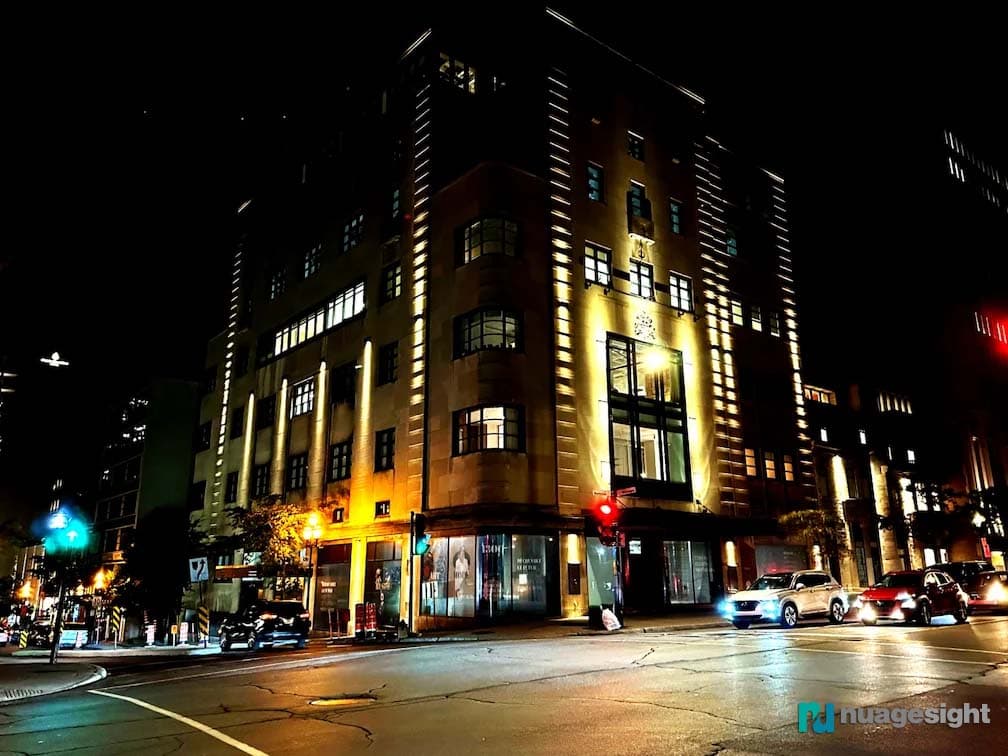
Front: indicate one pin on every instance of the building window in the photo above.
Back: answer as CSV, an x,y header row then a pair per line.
x,y
756,317
297,472
396,208
647,426
312,261
863,438
210,380
382,508
384,450
260,481
823,396
597,263
266,412
750,463
637,203
911,456
894,403
388,363
353,232
770,465
487,329
237,421
324,317
774,318
277,284
635,145
391,282
823,435
231,488
675,215
203,436
489,236
596,183
731,243
344,384
484,428
681,291
197,495
788,468
457,74
736,312
641,279
340,460
337,515
302,398
241,363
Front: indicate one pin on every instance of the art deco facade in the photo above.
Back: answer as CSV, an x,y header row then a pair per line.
x,y
522,282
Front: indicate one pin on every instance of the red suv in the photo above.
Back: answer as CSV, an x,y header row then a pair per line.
x,y
912,596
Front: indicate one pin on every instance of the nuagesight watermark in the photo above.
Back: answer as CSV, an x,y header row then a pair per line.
x,y
823,717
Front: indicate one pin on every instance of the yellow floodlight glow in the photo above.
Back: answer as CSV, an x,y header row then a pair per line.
x,y
656,360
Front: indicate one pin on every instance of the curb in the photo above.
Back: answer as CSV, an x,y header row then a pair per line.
x,y
11,695
76,653
657,628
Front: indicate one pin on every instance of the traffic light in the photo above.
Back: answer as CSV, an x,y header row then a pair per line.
x,y
65,531
421,539
606,515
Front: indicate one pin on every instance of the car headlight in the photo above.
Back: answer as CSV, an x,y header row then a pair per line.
x,y
769,606
857,603
997,592
906,601
867,612
726,607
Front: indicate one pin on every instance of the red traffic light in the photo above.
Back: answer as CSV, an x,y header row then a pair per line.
x,y
606,512
605,508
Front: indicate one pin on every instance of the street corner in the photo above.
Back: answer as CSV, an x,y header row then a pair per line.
x,y
32,679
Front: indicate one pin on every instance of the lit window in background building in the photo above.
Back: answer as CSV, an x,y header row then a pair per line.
x,y
750,463
736,312
770,465
487,329
328,315
312,261
597,264
788,468
863,437
457,74
635,145
681,292
774,318
277,283
596,183
489,236
302,398
888,402
353,232
823,396
731,243
638,200
487,428
823,435
675,215
756,317
911,456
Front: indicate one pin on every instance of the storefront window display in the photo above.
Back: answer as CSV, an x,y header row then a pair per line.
x,y
689,572
383,578
332,586
448,578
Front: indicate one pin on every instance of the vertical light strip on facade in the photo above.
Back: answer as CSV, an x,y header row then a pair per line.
x,y
785,266
421,239
232,332
561,233
714,270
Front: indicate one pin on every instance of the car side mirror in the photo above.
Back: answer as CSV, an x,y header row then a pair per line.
x,y
799,586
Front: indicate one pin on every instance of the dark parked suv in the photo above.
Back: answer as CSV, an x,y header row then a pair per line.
x,y
263,623
967,574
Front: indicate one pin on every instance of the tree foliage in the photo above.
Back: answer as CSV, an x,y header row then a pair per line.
x,y
816,526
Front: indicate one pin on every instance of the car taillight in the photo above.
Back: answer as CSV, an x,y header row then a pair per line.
x,y
267,616
304,615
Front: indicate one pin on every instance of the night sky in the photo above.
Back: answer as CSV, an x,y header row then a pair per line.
x,y
127,159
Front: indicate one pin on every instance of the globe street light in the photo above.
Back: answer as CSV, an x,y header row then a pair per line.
x,y
312,533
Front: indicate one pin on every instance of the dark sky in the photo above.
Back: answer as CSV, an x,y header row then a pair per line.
x,y
129,155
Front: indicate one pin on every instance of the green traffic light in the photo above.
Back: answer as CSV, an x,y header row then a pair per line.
x,y
422,545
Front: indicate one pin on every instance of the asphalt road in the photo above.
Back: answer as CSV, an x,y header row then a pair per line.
x,y
702,692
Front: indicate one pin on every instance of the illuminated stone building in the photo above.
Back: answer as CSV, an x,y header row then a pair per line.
x,y
519,283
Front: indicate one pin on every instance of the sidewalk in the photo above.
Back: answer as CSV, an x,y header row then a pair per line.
x,y
107,649
20,680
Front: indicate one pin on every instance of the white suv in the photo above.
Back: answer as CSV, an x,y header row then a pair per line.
x,y
786,597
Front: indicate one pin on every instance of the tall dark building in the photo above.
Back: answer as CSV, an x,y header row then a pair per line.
x,y
518,283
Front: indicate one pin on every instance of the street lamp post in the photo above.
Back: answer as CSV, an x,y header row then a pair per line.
x,y
66,534
312,533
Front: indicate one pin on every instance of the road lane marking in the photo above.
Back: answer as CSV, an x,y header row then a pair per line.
x,y
205,729
332,659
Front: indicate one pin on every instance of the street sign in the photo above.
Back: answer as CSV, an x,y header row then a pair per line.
x,y
626,491
198,569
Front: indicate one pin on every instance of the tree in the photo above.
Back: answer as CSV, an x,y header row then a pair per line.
x,y
822,527
155,574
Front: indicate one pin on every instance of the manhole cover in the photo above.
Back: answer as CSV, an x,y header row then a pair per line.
x,y
346,699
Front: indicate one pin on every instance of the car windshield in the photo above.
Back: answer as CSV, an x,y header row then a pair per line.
x,y
284,608
899,580
772,582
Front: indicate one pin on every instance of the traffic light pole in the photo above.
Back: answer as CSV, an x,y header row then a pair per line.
x,y
58,622
618,592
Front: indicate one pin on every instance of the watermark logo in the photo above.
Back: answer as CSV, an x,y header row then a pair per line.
x,y
823,716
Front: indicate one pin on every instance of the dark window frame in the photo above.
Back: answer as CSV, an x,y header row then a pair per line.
x,y
382,509
591,253
680,287
635,145
261,481
238,422
231,487
297,472
388,364
465,341
637,268
473,238
465,442
353,231
596,191
341,460
385,443
266,412
391,283
675,215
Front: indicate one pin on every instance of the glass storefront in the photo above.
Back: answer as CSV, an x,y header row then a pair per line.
x,y
601,573
488,575
383,578
689,572
332,587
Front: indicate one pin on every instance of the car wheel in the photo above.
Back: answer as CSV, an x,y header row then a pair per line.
x,y
961,614
741,625
302,643
225,642
254,643
836,612
789,616
924,615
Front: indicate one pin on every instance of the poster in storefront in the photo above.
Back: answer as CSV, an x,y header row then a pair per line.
x,y
462,577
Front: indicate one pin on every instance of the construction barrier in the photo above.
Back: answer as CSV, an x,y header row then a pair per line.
x,y
116,623
204,623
